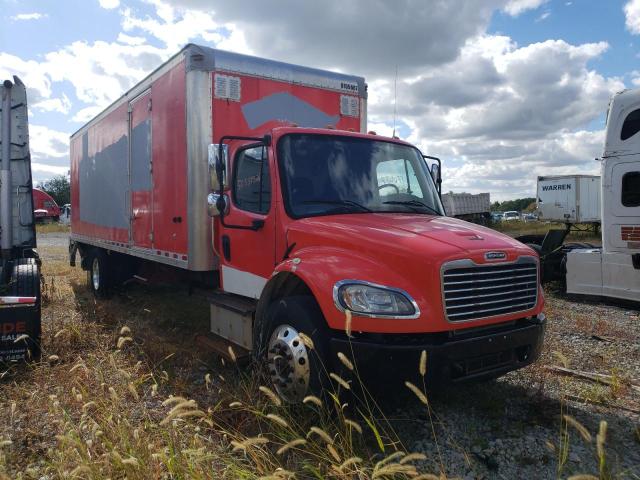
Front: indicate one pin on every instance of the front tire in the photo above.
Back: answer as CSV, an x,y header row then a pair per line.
x,y
295,368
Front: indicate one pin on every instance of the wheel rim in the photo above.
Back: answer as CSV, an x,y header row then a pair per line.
x,y
95,274
288,361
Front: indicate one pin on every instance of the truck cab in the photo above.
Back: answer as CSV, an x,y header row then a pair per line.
x,y
614,270
342,236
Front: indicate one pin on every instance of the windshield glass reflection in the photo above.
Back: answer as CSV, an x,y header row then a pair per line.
x,y
325,175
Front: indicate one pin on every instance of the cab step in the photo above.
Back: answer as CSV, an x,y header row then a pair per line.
x,y
232,319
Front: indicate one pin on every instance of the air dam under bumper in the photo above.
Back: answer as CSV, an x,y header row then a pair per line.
x,y
469,354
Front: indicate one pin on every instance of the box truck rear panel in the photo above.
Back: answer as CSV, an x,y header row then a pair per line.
x,y
139,170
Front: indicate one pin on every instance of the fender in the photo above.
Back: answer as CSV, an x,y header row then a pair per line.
x,y
319,268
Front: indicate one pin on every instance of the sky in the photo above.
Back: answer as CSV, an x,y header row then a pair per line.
x,y
501,90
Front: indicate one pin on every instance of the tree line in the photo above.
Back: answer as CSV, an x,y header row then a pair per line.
x,y
527,204
59,188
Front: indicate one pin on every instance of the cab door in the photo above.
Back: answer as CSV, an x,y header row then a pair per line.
x,y
140,169
246,239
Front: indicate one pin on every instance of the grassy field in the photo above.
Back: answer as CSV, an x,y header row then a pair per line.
x,y
42,228
518,228
122,393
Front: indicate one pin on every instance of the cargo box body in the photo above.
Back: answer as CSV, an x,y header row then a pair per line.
x,y
569,198
139,170
458,204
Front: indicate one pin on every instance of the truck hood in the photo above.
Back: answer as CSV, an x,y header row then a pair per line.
x,y
426,236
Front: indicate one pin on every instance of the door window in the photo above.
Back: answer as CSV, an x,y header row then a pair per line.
x,y
252,182
631,189
631,125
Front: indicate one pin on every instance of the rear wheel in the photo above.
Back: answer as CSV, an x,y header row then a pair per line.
x,y
296,368
99,273
25,282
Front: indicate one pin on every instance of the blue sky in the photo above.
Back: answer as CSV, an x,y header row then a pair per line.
x,y
502,90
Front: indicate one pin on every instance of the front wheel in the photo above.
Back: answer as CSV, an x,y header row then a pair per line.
x,y
296,368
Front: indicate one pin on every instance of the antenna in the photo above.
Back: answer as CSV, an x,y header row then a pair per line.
x,y
395,100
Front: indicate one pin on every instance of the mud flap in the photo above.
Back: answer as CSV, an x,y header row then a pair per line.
x,y
19,330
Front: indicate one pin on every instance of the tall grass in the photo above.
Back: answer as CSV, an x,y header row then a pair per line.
x,y
108,401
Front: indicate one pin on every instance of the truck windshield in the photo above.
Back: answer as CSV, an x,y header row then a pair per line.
x,y
326,175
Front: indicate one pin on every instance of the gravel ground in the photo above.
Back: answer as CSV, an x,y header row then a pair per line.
x,y
511,427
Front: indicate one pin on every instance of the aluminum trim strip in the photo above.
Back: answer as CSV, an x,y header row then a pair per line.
x,y
485,288
492,294
527,269
493,302
519,277
493,309
145,253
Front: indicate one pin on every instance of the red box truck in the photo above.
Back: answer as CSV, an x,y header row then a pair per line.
x,y
258,177
44,206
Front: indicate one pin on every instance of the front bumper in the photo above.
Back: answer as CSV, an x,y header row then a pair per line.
x,y
463,355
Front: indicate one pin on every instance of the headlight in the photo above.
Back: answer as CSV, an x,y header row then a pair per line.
x,y
368,299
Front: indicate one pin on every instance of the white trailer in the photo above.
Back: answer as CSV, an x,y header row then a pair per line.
x,y
614,270
569,199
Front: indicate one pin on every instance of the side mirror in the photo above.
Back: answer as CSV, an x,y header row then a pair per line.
x,y
215,162
217,204
435,172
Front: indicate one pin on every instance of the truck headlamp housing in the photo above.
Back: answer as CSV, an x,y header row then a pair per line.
x,y
371,300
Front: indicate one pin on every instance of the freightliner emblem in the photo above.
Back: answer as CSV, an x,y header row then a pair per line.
x,y
495,256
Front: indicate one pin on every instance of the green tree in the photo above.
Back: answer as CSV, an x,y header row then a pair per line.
x,y
519,204
59,188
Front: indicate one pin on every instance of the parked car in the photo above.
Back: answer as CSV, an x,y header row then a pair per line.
x,y
529,217
497,216
511,216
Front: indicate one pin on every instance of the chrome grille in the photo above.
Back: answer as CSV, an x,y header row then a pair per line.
x,y
472,291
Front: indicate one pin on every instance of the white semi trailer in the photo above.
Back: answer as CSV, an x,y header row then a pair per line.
x,y
614,270
569,199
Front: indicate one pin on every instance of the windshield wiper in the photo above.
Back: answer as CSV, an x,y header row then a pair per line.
x,y
344,203
412,203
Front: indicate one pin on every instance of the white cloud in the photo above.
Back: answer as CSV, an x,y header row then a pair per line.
x,y
100,72
87,113
369,37
516,7
632,16
60,105
543,16
47,170
109,4
28,16
31,72
47,143
499,115
129,40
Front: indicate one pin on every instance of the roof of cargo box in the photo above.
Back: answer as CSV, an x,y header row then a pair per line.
x,y
203,58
